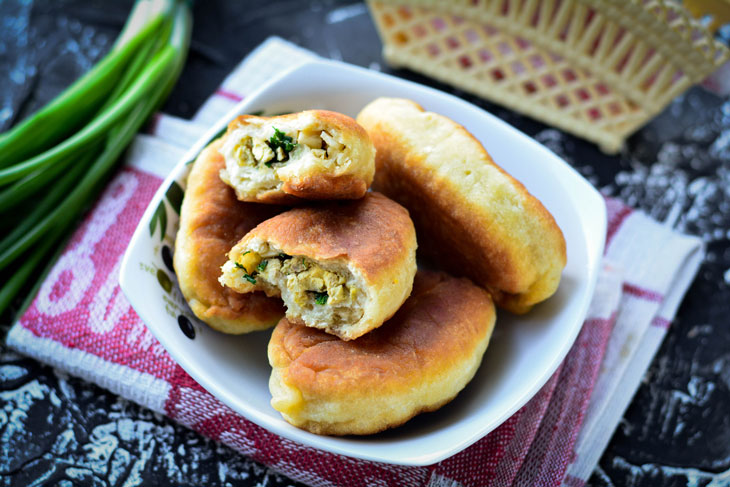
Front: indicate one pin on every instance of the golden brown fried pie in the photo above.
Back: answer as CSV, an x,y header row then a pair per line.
x,y
416,362
472,218
344,267
312,155
211,221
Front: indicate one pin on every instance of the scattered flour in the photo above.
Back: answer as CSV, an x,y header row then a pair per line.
x,y
11,372
652,474
343,13
74,434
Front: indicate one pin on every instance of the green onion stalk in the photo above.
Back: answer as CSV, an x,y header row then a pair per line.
x,y
55,163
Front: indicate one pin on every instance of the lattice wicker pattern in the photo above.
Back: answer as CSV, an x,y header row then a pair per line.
x,y
597,68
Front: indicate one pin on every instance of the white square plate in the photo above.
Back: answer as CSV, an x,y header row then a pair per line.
x,y
525,350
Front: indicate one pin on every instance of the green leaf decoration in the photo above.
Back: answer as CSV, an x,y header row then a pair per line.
x,y
174,196
160,217
164,280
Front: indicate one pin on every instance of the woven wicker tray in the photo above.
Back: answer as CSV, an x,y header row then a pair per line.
x,y
599,69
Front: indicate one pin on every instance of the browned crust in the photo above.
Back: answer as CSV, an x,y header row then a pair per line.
x,y
277,197
212,220
374,233
442,325
455,233
326,187
299,191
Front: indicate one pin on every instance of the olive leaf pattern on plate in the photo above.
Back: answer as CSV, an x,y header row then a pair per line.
x,y
172,296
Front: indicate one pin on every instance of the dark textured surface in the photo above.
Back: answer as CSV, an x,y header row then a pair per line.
x,y
60,431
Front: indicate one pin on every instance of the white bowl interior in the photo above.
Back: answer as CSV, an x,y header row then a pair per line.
x,y
525,350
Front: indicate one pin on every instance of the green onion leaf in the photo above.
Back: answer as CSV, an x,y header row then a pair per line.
x,y
246,275
60,117
91,123
280,139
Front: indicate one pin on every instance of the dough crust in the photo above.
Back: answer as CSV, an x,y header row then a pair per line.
x,y
416,362
211,221
361,254
472,218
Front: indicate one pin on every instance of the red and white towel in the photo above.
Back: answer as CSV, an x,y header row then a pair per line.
x,y
81,322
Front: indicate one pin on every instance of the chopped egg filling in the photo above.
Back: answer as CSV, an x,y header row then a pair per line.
x,y
259,158
323,294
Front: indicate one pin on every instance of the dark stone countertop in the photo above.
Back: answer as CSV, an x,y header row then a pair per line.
x,y
56,430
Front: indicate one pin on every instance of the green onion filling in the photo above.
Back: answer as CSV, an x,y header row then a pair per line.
x,y
246,275
280,139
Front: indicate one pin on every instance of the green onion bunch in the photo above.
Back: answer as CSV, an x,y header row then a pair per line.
x,y
54,164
